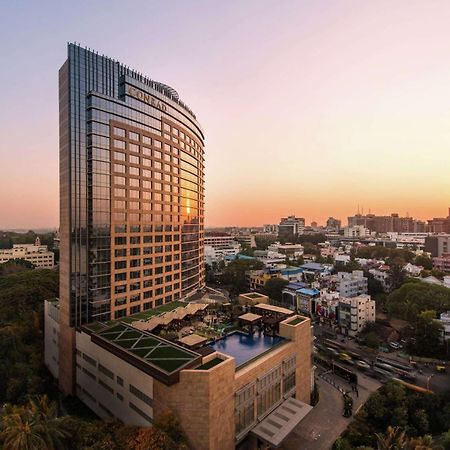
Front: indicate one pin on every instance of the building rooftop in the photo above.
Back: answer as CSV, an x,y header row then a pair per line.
x,y
152,354
275,309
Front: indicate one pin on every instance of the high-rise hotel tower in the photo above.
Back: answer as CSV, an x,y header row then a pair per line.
x,y
131,196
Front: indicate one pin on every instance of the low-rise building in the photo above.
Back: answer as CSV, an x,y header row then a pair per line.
x,y
223,395
354,313
382,274
437,245
37,254
300,297
352,284
442,262
291,251
356,231
412,269
444,320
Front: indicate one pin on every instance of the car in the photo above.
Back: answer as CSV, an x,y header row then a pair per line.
x,y
395,345
362,364
332,351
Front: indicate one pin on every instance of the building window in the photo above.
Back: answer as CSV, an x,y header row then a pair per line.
x,y
105,371
245,408
141,413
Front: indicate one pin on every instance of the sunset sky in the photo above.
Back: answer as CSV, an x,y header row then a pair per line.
x,y
309,107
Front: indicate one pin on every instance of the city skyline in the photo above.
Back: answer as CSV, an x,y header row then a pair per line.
x,y
349,101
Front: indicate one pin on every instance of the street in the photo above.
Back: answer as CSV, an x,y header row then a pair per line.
x,y
325,423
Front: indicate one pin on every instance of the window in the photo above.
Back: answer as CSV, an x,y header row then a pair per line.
x,y
119,156
140,395
90,360
105,371
119,144
105,386
119,168
134,171
120,180
134,159
133,148
119,381
269,391
133,136
119,192
141,413
245,408
119,132
134,182
146,140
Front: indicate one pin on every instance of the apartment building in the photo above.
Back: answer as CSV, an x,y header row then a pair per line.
x,y
354,313
352,284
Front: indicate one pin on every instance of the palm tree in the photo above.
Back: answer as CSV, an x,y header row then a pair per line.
x,y
51,426
35,426
396,439
19,430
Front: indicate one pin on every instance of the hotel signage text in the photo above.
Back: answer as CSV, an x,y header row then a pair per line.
x,y
147,98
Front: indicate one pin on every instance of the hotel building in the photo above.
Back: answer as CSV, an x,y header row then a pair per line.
x,y
131,190
131,196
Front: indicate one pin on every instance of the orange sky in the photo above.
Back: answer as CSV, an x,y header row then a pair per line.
x,y
309,108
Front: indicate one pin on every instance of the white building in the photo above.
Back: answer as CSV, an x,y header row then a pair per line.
x,y
352,284
355,312
444,319
342,259
246,239
290,250
412,269
383,276
37,254
217,247
356,231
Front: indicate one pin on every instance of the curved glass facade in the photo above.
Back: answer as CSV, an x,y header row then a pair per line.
x,y
132,198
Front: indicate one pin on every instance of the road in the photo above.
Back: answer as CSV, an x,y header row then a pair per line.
x,y
429,378
325,423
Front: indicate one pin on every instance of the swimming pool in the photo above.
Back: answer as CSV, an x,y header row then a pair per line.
x,y
244,347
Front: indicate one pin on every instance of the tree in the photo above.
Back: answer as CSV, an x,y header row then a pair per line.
x,y
273,288
414,297
234,274
427,333
424,261
34,426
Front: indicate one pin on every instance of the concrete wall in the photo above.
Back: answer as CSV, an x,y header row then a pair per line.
x,y
117,402
203,401
51,338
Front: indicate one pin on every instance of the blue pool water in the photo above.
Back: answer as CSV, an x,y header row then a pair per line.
x,y
244,347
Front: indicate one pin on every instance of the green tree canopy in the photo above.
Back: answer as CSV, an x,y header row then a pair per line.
x,y
273,288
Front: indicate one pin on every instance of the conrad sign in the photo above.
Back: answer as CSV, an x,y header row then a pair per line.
x,y
147,98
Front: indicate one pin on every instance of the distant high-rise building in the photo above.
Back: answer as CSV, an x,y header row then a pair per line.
x,y
131,196
291,226
439,224
386,224
333,224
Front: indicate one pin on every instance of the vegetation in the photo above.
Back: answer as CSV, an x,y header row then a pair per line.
x,y
273,288
395,415
413,298
9,238
22,296
385,253
234,274
262,242
37,426
313,238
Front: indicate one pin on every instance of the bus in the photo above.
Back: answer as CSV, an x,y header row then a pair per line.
x,y
393,363
336,345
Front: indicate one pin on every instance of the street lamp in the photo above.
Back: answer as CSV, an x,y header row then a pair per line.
x,y
428,380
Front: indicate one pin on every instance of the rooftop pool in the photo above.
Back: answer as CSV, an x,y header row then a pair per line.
x,y
244,347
